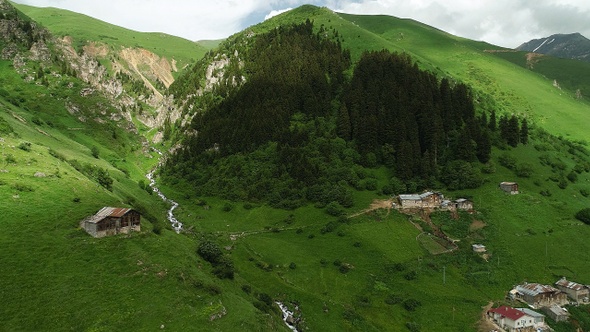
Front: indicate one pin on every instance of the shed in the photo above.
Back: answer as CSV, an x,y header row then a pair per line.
x,y
575,291
538,318
556,313
478,247
464,204
110,221
509,187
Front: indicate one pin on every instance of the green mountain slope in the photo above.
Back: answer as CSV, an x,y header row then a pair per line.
x,y
378,270
514,90
572,76
84,29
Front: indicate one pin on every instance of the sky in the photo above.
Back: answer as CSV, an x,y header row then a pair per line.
x,y
507,23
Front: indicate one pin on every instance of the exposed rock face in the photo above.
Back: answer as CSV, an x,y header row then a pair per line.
x,y
569,46
23,40
16,31
159,68
138,63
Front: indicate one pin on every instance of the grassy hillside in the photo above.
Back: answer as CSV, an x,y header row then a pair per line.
x,y
84,28
55,276
513,89
571,75
500,84
378,271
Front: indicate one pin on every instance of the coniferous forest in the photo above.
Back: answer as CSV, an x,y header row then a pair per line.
x,y
303,126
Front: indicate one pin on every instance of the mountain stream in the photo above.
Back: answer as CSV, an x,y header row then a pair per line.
x,y
177,225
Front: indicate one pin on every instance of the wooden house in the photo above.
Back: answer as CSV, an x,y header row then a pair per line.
x,y
509,187
538,295
511,319
576,292
111,221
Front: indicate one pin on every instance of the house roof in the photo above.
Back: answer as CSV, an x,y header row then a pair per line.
x,y
426,194
462,200
570,284
508,183
531,313
534,289
410,197
508,312
418,197
476,246
108,212
557,310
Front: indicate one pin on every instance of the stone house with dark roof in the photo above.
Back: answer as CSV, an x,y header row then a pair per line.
x,y
426,200
538,295
556,313
576,292
111,221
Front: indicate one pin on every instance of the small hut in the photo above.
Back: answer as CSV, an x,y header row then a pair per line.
x,y
111,221
509,187
464,204
478,247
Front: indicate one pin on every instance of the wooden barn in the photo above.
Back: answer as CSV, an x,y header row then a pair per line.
x,y
112,221
509,187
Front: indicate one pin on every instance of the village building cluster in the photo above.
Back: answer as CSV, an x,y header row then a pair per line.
x,y
547,299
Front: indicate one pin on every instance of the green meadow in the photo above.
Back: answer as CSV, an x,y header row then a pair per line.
x,y
378,271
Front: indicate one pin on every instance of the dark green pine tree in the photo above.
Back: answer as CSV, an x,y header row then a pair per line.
x,y
492,124
483,120
344,125
503,126
483,149
524,132
465,149
512,132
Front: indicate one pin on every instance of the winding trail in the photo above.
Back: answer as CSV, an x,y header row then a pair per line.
x,y
177,225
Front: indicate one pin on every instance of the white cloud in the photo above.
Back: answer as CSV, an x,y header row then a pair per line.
x,y
502,22
276,12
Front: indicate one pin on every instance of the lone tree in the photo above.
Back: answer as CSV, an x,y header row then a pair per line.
x,y
94,151
210,251
584,216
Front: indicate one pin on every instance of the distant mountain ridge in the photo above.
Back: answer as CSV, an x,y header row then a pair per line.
x,y
569,46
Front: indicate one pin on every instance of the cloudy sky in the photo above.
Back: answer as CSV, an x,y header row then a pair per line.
x,y
502,22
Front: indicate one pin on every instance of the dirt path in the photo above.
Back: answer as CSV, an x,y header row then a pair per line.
x,y
484,324
377,204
